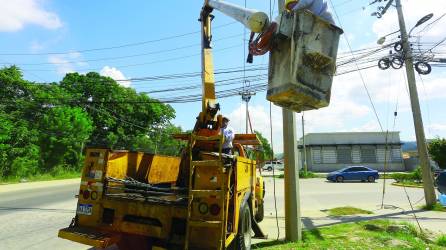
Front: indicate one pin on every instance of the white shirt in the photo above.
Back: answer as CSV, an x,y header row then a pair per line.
x,y
318,7
228,134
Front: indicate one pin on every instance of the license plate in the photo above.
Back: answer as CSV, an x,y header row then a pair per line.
x,y
85,209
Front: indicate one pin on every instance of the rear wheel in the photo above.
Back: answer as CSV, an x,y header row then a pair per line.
x,y
371,179
339,179
270,169
260,212
243,238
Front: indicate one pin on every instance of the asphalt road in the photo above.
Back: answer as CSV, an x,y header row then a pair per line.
x,y
32,213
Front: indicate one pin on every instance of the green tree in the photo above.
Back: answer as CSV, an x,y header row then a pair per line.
x,y
19,156
268,152
160,141
64,131
121,116
44,127
437,149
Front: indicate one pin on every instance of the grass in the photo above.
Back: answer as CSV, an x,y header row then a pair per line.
x,y
358,235
342,211
437,207
441,241
41,177
411,184
308,175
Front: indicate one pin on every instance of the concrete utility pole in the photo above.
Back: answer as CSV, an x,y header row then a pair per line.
x,y
293,225
429,191
246,97
304,150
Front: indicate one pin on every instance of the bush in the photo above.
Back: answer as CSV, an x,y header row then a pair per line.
x,y
414,176
441,241
306,175
437,149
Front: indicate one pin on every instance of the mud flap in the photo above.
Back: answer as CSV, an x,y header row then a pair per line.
x,y
258,233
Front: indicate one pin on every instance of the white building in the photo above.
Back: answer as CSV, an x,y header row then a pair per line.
x,y
326,152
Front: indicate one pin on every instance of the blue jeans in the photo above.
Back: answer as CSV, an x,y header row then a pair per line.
x,y
227,151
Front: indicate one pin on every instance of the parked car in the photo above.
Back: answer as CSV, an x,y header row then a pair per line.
x,y
437,172
269,165
357,173
441,182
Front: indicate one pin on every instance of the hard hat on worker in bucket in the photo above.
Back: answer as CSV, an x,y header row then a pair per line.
x,y
289,4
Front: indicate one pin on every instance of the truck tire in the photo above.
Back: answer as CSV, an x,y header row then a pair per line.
x,y
260,212
243,239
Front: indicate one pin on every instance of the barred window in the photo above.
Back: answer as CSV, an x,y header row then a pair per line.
x,y
316,155
368,154
356,154
344,155
396,155
329,155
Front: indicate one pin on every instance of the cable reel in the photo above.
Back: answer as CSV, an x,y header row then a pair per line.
x,y
423,68
384,63
397,62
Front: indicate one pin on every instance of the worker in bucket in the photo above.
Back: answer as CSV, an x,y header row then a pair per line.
x,y
317,7
228,134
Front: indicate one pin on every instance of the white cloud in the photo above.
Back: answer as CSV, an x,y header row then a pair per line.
x,y
338,116
18,13
437,128
67,63
334,118
115,74
413,10
61,63
260,121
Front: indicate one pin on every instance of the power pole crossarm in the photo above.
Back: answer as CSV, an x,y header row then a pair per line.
x,y
429,191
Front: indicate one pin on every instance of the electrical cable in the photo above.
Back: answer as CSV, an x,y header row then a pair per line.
x,y
145,63
426,103
115,47
272,144
274,175
359,72
120,57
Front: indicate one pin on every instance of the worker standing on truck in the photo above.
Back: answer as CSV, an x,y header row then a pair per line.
x,y
317,7
228,134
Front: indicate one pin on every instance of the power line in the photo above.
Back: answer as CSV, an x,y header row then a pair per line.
x,y
144,63
121,57
114,47
359,72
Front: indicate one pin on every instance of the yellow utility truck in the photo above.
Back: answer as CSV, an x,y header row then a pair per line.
x,y
205,199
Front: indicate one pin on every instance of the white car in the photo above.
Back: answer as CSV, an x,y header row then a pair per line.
x,y
269,165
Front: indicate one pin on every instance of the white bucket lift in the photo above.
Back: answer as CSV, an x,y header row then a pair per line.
x,y
302,61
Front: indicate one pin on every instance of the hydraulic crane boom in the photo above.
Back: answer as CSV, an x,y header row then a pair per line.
x,y
255,21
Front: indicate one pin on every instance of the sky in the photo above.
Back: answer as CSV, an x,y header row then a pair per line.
x,y
133,39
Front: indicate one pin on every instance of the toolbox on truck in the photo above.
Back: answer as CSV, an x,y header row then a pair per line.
x,y
302,61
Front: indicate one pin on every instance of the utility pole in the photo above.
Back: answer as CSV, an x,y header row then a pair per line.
x,y
293,225
246,97
304,150
429,191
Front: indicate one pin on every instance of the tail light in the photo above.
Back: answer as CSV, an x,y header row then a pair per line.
x,y
86,194
215,209
94,195
203,208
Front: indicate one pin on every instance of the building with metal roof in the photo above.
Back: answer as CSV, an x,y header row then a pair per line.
x,y
326,152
